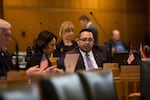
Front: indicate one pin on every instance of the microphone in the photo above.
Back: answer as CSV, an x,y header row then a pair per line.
x,y
99,25
17,52
42,25
91,13
106,35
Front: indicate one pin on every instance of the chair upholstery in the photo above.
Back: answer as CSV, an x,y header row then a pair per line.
x,y
66,87
99,85
145,80
19,91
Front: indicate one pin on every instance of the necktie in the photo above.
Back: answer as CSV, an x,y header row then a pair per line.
x,y
88,60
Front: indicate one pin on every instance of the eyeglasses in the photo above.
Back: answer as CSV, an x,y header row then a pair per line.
x,y
87,39
7,35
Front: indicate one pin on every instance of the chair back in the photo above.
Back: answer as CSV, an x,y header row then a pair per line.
x,y
66,87
130,78
20,91
145,80
99,85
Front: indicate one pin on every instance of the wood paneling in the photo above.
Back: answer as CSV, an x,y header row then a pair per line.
x,y
130,16
1,8
149,13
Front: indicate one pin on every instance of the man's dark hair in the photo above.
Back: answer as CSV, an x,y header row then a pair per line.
x,y
84,18
85,30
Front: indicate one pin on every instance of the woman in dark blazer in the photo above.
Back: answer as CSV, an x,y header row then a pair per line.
x,y
67,43
39,63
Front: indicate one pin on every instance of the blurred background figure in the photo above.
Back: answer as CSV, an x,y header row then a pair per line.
x,y
67,43
116,44
5,59
147,38
86,23
39,63
147,43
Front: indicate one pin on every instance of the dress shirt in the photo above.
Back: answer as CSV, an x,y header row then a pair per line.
x,y
91,56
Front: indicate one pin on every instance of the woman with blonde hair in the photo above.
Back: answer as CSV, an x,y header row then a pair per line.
x,y
67,43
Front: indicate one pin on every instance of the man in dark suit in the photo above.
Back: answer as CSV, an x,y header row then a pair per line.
x,y
86,23
97,54
5,37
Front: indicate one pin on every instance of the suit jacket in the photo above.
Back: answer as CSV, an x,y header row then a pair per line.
x,y
147,38
5,63
111,44
100,53
61,49
35,59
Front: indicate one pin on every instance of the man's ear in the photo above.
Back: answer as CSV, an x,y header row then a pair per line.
x,y
77,39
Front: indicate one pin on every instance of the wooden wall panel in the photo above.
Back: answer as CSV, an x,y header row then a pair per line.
x,y
149,13
1,8
26,15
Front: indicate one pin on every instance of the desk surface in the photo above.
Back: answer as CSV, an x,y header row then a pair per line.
x,y
146,59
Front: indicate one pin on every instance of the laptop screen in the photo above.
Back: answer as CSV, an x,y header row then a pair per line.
x,y
122,58
70,62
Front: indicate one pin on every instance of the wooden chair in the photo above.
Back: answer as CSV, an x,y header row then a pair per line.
x,y
13,77
114,67
16,75
130,78
53,60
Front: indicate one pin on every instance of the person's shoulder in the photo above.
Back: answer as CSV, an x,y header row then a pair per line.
x,y
37,54
123,43
92,26
74,43
100,47
74,50
60,43
108,42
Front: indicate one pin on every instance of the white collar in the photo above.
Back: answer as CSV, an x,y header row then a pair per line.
x,y
83,53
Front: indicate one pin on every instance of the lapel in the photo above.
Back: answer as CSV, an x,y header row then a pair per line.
x,y
101,55
96,56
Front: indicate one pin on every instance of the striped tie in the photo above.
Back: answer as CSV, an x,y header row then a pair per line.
x,y
88,60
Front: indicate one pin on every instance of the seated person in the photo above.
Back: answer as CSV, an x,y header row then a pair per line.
x,y
115,43
147,43
39,63
5,59
66,44
90,55
147,38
